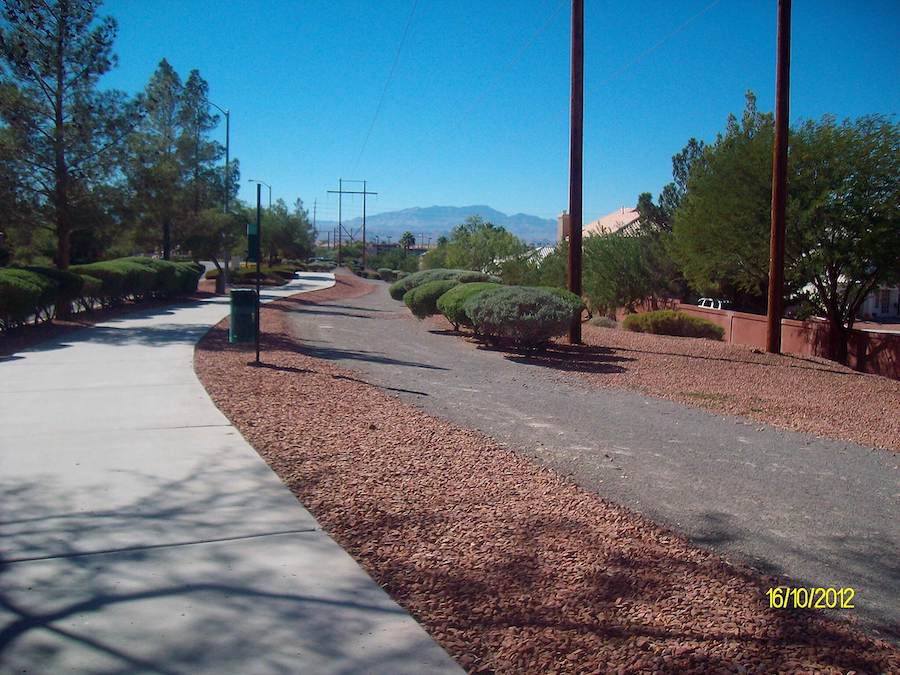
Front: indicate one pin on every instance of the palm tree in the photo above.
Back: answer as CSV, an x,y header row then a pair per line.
x,y
407,240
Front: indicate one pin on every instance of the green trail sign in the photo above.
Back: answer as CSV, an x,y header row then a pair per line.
x,y
252,242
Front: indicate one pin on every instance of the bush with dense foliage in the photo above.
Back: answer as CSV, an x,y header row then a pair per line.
x,y
141,278
575,302
386,274
69,286
526,316
668,322
422,300
43,292
400,287
450,304
24,294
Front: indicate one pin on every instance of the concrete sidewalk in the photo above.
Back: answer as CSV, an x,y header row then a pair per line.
x,y
141,533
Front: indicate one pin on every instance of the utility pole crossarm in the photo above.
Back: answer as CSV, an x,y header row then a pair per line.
x,y
340,192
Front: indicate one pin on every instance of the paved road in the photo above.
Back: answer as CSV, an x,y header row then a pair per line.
x,y
139,532
818,511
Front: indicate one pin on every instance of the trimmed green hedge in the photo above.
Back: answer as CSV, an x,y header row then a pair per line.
x,y
70,286
450,304
422,300
400,287
669,322
41,292
386,274
526,316
24,294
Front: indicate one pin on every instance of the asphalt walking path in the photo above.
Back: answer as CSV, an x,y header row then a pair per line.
x,y
821,512
141,533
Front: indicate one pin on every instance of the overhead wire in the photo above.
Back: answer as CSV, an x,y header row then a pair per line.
x,y
387,84
665,38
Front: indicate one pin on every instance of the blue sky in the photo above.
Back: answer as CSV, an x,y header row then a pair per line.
x,y
477,110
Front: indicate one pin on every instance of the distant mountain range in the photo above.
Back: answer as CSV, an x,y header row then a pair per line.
x,y
434,221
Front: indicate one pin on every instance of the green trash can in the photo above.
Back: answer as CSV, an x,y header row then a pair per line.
x,y
243,315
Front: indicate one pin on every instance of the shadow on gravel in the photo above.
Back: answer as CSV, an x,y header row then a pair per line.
x,y
579,358
824,369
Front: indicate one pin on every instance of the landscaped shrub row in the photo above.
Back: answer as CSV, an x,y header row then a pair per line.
x,y
41,292
422,300
668,322
274,275
451,304
399,288
526,316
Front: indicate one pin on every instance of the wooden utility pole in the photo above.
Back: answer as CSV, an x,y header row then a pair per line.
x,y
576,125
779,181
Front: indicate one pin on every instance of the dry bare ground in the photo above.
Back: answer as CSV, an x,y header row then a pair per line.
x,y
510,567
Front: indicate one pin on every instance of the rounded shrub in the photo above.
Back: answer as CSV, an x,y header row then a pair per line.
x,y
400,274
574,301
386,274
422,300
669,322
399,288
450,304
525,316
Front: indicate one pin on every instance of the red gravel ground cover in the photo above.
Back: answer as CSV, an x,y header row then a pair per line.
x,y
805,394
510,567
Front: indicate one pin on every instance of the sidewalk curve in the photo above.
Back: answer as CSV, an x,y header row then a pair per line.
x,y
141,533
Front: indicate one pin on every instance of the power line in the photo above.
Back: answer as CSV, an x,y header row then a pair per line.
x,y
387,84
665,38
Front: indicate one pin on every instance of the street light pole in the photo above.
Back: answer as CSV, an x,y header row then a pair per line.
x,y
226,254
258,256
253,180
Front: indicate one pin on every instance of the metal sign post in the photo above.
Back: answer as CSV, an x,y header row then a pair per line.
x,y
258,255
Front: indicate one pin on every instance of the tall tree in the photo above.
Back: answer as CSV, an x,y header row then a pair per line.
x,y
475,245
843,231
407,240
843,227
721,225
156,174
64,132
197,153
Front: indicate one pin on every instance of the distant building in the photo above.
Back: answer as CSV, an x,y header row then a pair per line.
x,y
882,303
623,221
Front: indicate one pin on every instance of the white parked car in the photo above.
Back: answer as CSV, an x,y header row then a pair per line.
x,y
712,303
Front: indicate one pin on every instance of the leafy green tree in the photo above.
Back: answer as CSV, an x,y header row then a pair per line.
x,y
395,259
213,231
287,234
407,241
843,227
721,226
475,245
616,271
843,235
63,135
